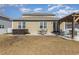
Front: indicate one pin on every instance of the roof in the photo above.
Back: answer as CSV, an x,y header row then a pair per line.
x,y
38,17
54,18
68,17
5,18
39,14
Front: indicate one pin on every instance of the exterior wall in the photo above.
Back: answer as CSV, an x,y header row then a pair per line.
x,y
14,25
34,27
33,23
62,26
7,26
50,27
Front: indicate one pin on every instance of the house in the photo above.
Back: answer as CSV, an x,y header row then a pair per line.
x,y
69,26
5,25
35,23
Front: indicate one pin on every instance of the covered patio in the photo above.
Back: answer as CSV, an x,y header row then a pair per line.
x,y
70,26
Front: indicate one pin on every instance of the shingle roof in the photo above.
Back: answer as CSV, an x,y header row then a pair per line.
x,y
39,14
38,17
5,18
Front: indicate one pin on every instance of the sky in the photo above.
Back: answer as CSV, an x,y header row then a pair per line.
x,y
15,11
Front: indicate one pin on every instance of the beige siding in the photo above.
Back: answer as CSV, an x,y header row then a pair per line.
x,y
15,25
34,27
62,26
50,27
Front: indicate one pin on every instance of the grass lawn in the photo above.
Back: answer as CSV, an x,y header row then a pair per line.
x,y
37,45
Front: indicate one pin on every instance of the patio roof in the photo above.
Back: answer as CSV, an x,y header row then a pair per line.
x,y
69,18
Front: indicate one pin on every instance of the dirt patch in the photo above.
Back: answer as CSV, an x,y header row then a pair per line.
x,y
37,45
9,41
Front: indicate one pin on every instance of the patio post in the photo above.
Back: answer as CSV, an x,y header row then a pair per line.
x,y
73,27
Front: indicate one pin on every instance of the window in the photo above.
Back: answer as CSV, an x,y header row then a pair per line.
x,y
21,25
76,25
1,26
69,25
43,25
